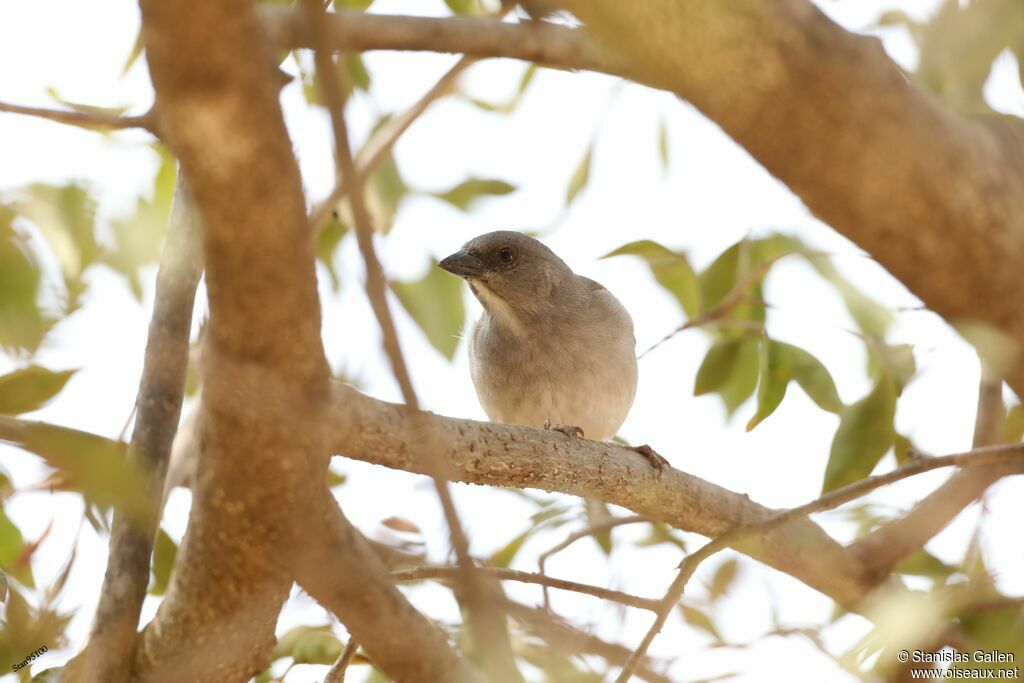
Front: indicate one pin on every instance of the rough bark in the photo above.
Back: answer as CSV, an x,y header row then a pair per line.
x,y
158,409
508,455
263,369
936,198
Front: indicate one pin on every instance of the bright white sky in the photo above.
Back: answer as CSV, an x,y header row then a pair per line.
x,y
712,195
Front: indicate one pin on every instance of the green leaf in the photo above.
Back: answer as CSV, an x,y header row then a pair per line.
x,y
385,190
435,303
661,533
1013,424
30,388
923,563
720,277
776,371
718,365
91,464
361,5
865,434
671,270
464,6
700,620
356,73
871,317
724,577
743,380
813,378
512,103
580,176
327,241
165,553
503,557
598,512
309,645
22,325
12,549
335,478
464,195
894,360
663,145
134,55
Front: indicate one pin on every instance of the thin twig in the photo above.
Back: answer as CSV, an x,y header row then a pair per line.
x,y
735,297
377,147
161,392
1005,454
337,672
417,573
589,530
492,628
559,634
543,43
86,119
888,545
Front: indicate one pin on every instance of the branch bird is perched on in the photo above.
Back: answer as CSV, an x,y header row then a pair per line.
x,y
551,346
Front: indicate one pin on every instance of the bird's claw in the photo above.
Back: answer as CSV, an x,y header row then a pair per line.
x,y
571,431
658,462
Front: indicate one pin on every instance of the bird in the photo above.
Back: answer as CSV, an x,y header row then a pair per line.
x,y
551,349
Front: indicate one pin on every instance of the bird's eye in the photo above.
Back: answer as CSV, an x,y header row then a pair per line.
x,y
506,255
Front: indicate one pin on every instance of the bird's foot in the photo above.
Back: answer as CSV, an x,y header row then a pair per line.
x,y
570,431
657,461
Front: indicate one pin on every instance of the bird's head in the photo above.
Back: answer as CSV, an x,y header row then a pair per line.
x,y
509,272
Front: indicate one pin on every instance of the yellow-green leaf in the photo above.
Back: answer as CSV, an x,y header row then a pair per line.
x,y
309,645
12,547
327,241
699,619
813,378
165,552
91,464
503,556
723,578
671,270
776,371
743,380
435,303
663,144
30,388
464,195
580,176
464,6
1013,424
718,366
865,434
21,323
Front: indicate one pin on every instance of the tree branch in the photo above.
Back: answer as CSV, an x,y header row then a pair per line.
x,y
779,96
508,455
539,42
936,198
449,573
559,634
881,551
108,655
485,620
85,119
264,375
1012,454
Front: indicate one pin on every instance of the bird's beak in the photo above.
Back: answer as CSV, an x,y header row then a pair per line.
x,y
463,264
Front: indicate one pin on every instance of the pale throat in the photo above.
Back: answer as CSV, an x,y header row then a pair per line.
x,y
497,307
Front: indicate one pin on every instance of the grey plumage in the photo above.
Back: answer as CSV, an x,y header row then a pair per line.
x,y
551,345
